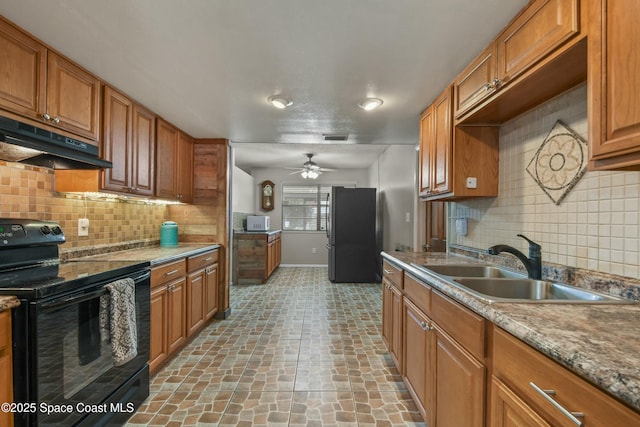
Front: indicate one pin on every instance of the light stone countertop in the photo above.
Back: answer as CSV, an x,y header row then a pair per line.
x,y
598,342
8,302
156,254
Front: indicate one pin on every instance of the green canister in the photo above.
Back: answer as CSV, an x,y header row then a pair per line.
x,y
169,234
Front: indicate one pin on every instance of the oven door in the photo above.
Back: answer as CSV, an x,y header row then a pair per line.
x,y
73,371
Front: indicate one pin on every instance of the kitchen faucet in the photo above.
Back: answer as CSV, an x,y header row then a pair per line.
x,y
533,263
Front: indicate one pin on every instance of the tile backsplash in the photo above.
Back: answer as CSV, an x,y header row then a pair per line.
x,y
28,192
597,225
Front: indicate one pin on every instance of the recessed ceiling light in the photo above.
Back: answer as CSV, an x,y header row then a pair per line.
x,y
279,101
369,104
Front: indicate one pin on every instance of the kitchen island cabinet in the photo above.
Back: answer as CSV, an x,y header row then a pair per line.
x,y
467,362
257,254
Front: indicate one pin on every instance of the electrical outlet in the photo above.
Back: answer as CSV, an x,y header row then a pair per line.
x,y
83,227
314,251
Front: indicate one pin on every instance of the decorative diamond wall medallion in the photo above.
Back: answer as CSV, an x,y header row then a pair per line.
x,y
560,162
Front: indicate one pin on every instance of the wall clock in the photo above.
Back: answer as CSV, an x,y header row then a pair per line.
x,y
267,191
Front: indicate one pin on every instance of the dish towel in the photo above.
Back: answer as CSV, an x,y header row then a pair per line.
x,y
118,320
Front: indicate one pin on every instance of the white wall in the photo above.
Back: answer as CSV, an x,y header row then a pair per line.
x,y
596,227
243,192
394,176
298,246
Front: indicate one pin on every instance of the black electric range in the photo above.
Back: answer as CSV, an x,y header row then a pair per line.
x,y
64,358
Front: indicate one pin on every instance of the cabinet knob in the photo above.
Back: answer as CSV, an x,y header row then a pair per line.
x,y
45,116
55,120
488,86
496,83
425,326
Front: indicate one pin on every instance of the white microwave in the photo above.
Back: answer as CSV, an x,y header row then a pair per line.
x,y
258,223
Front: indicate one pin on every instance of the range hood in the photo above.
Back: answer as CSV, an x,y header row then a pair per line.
x,y
24,143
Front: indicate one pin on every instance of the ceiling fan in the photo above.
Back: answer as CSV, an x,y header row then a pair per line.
x,y
310,169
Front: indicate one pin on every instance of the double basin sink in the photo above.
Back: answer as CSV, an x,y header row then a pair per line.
x,y
494,284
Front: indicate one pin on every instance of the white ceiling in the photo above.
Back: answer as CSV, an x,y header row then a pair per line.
x,y
208,66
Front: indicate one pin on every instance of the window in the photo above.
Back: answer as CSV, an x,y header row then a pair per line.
x,y
304,207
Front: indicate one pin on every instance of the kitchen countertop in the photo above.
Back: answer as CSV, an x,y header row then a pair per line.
x,y
156,254
267,232
8,302
598,342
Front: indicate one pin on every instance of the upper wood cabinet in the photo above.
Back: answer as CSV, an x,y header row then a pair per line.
x,y
73,98
614,85
41,85
456,162
540,54
541,28
476,82
23,66
129,143
174,163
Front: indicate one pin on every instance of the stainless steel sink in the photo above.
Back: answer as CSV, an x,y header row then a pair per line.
x,y
529,290
466,270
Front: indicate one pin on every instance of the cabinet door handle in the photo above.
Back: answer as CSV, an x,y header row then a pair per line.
x,y
425,326
209,258
573,416
171,273
387,271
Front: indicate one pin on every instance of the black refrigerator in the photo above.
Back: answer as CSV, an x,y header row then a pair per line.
x,y
351,230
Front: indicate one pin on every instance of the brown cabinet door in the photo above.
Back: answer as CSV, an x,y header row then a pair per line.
x,y
195,301
416,356
508,410
6,367
185,168
387,311
426,136
176,323
211,291
436,227
23,63
116,141
73,97
542,27
459,384
614,84
442,143
396,327
144,151
166,160
476,82
158,346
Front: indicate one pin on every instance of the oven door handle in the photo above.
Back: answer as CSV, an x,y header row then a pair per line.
x,y
52,305
74,299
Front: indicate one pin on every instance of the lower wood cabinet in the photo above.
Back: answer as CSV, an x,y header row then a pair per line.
x,y
202,290
535,388
184,297
168,302
462,370
6,367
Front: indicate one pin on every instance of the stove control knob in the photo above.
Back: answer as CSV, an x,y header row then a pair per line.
x,y
56,230
45,229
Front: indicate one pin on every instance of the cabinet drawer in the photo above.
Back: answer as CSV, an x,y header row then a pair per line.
x,y
197,262
523,368
167,272
462,324
418,292
392,273
5,329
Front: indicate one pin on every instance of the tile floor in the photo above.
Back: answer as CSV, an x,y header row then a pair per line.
x,y
296,351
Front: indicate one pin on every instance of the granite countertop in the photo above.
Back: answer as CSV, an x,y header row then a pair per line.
x,y
156,254
8,302
267,232
598,342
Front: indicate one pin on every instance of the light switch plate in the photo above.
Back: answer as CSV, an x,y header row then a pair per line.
x,y
461,226
83,227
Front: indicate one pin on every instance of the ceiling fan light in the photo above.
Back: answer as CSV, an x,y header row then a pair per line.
x,y
305,174
279,101
369,104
